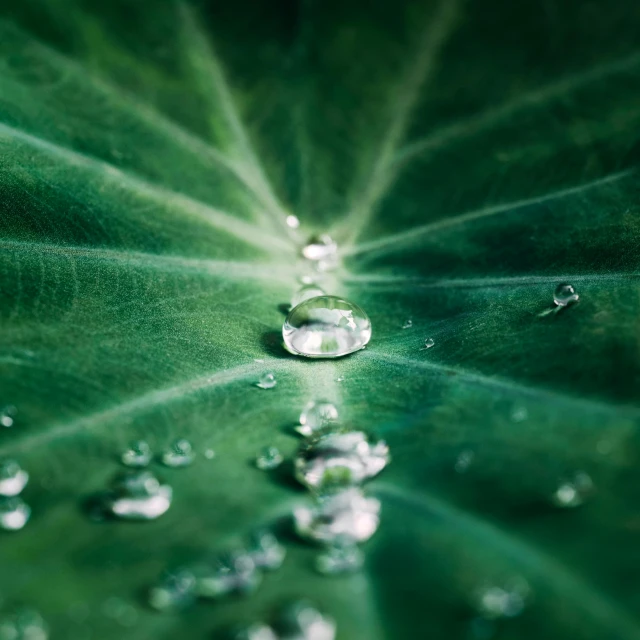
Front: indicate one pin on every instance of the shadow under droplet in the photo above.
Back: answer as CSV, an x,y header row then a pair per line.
x,y
272,343
284,308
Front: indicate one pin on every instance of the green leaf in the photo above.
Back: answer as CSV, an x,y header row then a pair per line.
x,y
467,156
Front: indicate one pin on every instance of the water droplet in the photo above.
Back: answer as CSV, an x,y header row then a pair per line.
x,y
180,454
14,513
24,624
269,458
209,454
326,327
267,381
13,478
464,460
316,415
340,558
340,379
301,621
321,247
564,295
258,631
138,495
428,343
234,572
345,516
519,414
339,459
137,455
175,591
265,551
502,601
574,491
293,222
306,292
8,416
408,324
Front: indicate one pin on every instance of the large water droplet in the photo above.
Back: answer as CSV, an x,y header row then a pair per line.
x,y
340,558
269,458
234,572
14,513
179,454
258,631
265,551
175,591
326,327
24,624
564,295
301,621
339,459
573,491
344,516
503,600
138,495
13,478
137,455
316,415
267,381
306,293
8,416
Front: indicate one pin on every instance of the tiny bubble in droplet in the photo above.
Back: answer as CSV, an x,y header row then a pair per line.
x,y
564,295
266,381
13,478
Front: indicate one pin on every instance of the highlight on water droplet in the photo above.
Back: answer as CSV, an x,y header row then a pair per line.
x,y
346,516
428,343
564,295
209,454
269,458
266,551
502,600
8,415
326,327
175,591
13,478
233,572
339,459
322,250
267,381
179,454
138,495
302,621
292,221
316,415
464,460
573,491
137,455
341,557
408,323
14,513
306,292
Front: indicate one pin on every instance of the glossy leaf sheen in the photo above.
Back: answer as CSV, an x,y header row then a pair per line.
x,y
467,156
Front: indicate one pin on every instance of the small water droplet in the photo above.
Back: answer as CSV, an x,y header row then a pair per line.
x,y
464,460
137,455
502,600
326,327
267,381
265,551
340,379
320,247
339,459
14,513
340,558
302,621
519,414
293,222
564,295
24,624
345,516
138,495
269,458
306,292
573,491
408,324
209,454
258,631
428,343
234,572
8,416
175,591
316,415
13,478
179,454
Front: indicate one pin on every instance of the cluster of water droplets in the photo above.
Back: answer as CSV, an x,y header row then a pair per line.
x,y
14,511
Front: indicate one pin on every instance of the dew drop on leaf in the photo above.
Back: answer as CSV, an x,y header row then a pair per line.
x,y
320,247
292,221
209,454
179,454
316,415
8,416
326,327
302,621
138,495
340,558
265,551
13,478
137,455
408,324
267,381
339,459
344,516
306,292
564,295
233,572
572,492
428,343
502,600
175,591
14,513
269,458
